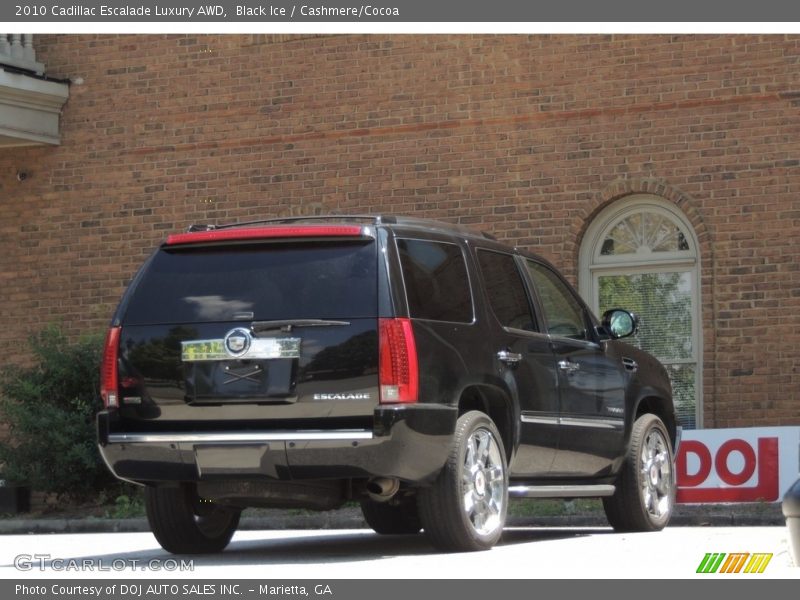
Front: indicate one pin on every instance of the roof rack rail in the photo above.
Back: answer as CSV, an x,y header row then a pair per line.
x,y
443,225
376,219
195,227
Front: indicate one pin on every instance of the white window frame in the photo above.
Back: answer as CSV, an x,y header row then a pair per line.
x,y
592,265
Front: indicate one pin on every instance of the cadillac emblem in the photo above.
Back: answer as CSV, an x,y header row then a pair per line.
x,y
237,341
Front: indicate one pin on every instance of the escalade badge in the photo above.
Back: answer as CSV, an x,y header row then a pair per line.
x,y
341,396
237,341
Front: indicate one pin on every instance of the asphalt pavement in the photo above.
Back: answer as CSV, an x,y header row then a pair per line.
x,y
524,552
337,544
717,515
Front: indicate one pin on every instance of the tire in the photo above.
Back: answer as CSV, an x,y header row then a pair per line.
x,y
183,524
465,509
645,494
392,518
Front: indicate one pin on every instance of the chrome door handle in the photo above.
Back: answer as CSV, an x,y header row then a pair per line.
x,y
630,364
568,366
510,358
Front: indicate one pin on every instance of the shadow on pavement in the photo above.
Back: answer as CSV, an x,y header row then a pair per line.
x,y
330,547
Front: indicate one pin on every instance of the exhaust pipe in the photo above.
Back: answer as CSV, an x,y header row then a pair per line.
x,y
382,489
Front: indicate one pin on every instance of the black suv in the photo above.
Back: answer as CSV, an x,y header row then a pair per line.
x,y
422,369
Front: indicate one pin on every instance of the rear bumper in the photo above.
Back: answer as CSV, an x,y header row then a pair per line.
x,y
407,442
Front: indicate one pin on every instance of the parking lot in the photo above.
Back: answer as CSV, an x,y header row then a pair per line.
x,y
553,552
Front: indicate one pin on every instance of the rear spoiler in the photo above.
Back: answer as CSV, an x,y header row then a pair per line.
x,y
246,234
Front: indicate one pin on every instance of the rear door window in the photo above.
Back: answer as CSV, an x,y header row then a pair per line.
x,y
506,290
259,282
435,276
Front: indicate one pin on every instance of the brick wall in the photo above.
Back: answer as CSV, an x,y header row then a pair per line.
x,y
526,136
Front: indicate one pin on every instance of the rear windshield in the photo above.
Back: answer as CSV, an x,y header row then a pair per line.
x,y
260,282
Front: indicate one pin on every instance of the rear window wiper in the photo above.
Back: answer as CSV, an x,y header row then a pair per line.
x,y
288,324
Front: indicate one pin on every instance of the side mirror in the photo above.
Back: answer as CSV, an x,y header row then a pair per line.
x,y
620,323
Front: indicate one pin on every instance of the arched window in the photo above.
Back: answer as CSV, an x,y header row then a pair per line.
x,y
640,253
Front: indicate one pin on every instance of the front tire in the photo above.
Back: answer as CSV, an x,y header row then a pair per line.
x,y
645,494
395,517
465,509
184,524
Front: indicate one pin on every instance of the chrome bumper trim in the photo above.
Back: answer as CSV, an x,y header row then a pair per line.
x,y
248,436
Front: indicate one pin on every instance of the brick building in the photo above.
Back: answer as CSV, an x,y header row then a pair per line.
x,y
634,163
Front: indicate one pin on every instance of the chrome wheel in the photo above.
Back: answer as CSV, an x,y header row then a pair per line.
x,y
645,489
483,482
656,478
465,507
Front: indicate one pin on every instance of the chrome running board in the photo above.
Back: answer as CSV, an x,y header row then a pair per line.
x,y
560,491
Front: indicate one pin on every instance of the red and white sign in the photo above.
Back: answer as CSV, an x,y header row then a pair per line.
x,y
737,465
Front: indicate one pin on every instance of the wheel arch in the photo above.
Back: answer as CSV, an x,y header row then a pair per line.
x,y
497,404
653,403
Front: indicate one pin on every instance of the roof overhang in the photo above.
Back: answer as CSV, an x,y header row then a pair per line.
x,y
30,107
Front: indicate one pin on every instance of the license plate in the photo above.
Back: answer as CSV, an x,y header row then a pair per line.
x,y
260,349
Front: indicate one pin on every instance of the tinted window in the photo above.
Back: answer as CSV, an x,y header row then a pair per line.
x,y
562,311
436,281
505,289
271,281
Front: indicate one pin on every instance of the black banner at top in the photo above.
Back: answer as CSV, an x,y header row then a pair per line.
x,y
398,11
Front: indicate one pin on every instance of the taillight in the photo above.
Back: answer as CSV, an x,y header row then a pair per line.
x,y
399,370
109,380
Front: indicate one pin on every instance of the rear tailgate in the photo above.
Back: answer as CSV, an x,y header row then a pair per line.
x,y
252,329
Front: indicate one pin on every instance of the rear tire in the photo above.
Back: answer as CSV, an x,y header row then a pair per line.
x,y
183,524
398,517
645,495
465,509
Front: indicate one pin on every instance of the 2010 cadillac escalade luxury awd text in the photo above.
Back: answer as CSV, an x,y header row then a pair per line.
x,y
424,370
